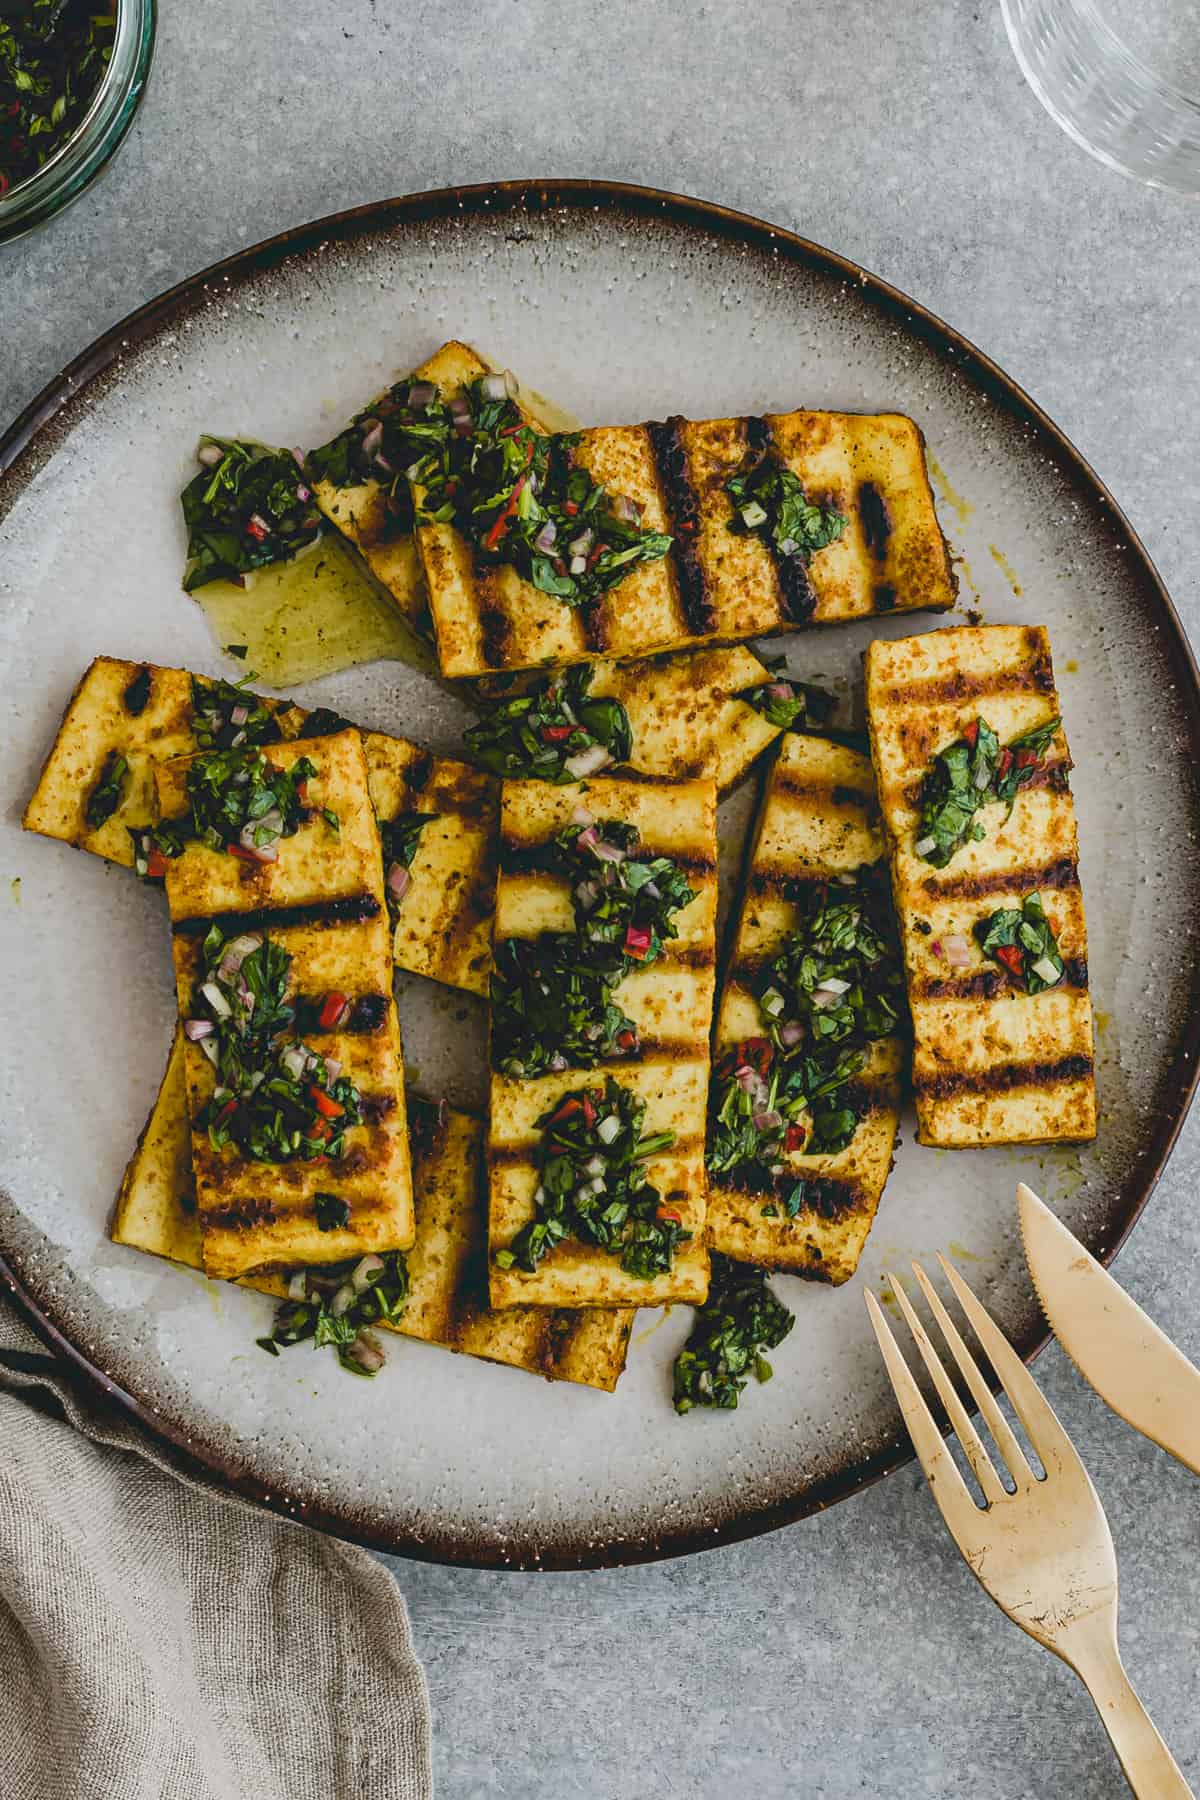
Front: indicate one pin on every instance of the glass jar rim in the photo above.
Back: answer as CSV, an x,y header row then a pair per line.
x,y
77,161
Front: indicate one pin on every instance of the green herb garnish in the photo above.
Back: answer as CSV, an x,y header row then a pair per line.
x,y
332,1212
593,1185
764,1105
741,1318
381,443
400,837
516,496
552,996
789,704
552,1006
276,1100
838,975
225,715
52,60
553,732
242,803
769,500
248,506
965,776
1022,940
106,795
337,1303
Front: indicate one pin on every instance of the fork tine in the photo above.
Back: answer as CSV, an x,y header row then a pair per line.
x,y
968,1437
997,1424
1035,1412
945,1483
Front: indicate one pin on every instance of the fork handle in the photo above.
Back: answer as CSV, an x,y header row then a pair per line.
x,y
1150,1769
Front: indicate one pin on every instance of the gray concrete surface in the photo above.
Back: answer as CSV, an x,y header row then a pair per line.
x,y
852,1654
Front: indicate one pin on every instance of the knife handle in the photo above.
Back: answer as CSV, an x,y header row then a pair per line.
x,y
1150,1769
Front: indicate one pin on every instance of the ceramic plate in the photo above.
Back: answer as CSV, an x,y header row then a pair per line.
x,y
621,305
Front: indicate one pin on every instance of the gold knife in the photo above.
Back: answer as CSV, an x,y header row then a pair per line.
x,y
1132,1365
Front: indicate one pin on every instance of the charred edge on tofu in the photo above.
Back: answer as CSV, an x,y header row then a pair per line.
x,y
681,503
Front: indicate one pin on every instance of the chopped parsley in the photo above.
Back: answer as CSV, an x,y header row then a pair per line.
x,y
276,1100
239,802
765,1104
225,715
552,996
552,1007
517,497
107,793
838,975
242,803
381,443
248,506
52,60
965,776
337,1303
741,1318
1022,940
834,987
769,500
789,704
553,732
593,1185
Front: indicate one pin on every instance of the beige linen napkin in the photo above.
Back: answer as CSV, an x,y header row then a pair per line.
x,y
159,1642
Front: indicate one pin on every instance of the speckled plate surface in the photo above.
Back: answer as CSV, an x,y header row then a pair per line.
x,y
621,305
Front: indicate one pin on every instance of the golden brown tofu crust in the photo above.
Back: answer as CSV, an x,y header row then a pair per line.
x,y
714,585
991,1063
443,930
323,902
670,1001
447,1265
818,820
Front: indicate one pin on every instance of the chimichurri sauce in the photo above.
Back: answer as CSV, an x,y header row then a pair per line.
x,y
53,54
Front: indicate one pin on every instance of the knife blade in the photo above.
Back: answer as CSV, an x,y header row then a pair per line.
x,y
1117,1348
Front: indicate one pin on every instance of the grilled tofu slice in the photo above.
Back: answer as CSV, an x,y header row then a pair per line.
x,y
818,821
670,1002
447,1265
360,514
444,921
685,714
714,585
992,1064
444,925
323,902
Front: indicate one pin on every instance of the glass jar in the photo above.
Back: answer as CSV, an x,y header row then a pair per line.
x,y
77,163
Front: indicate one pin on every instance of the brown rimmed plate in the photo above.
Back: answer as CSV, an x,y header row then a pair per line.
x,y
622,304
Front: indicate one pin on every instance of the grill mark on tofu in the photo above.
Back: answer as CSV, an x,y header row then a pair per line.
x,y
518,856
350,909
824,1195
681,503
495,626
1003,1078
987,984
961,684
787,781
875,519
519,1152
797,596
1062,874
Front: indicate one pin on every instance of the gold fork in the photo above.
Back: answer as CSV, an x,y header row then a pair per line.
x,y
1043,1552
